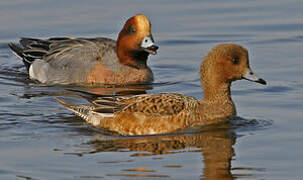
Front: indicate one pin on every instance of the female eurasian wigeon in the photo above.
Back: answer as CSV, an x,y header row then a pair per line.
x,y
91,60
163,113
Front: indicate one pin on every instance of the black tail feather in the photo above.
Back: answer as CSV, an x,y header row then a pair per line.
x,y
31,43
16,49
36,54
30,50
19,52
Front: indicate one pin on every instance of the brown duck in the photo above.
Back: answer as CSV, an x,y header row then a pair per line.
x,y
164,113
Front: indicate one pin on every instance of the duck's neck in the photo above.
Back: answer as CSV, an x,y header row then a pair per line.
x,y
216,87
217,103
216,92
140,58
133,58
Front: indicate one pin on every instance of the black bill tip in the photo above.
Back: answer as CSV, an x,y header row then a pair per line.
x,y
261,81
152,49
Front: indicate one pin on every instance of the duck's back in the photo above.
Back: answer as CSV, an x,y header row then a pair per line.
x,y
67,60
70,61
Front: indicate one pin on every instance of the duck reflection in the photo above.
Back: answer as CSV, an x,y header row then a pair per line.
x,y
215,144
69,91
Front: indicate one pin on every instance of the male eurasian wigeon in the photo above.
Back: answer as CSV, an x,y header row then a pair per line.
x,y
91,60
164,113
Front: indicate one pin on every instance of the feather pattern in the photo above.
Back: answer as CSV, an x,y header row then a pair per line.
x,y
64,51
163,113
82,110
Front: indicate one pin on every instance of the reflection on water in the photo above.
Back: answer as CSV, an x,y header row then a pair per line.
x,y
214,145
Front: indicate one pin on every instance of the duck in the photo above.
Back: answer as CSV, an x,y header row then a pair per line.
x,y
150,114
91,61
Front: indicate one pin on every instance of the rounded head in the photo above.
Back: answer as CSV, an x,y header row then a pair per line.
x,y
135,41
226,63
140,23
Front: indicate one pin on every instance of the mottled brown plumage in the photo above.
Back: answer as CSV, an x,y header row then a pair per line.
x,y
163,113
90,61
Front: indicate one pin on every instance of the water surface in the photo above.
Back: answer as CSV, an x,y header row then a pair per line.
x,y
39,139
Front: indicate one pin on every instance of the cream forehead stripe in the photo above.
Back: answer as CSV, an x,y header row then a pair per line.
x,y
142,22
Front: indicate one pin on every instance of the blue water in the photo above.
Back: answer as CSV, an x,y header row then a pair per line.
x,y
39,139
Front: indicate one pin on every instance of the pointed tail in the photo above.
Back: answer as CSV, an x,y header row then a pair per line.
x,y
30,49
18,51
81,110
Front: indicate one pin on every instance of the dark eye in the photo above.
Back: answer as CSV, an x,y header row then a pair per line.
x,y
130,30
235,60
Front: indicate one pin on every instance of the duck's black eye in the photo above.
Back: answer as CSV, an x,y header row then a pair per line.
x,y
235,60
130,30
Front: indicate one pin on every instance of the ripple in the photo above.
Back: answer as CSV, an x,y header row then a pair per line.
x,y
186,42
89,177
220,36
268,89
114,162
26,177
11,75
172,166
140,169
274,27
140,175
3,45
292,39
242,124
